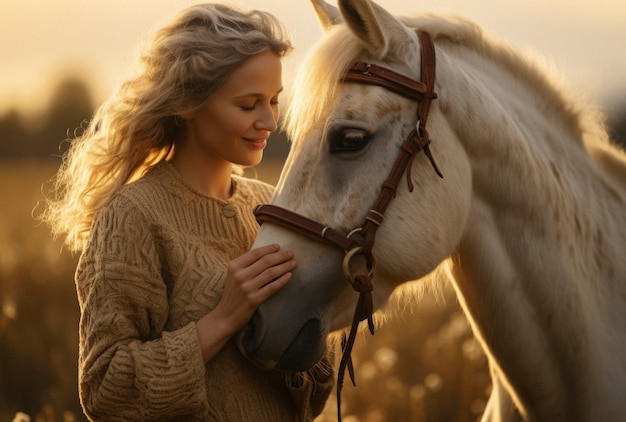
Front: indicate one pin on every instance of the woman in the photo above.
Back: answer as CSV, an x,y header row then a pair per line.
x,y
149,196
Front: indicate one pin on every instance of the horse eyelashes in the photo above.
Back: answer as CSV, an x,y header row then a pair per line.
x,y
348,139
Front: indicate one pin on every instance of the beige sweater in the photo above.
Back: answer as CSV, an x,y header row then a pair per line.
x,y
155,264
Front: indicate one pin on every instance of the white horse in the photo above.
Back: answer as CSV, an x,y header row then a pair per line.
x,y
528,223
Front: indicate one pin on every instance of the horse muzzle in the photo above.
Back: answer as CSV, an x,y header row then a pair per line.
x,y
297,354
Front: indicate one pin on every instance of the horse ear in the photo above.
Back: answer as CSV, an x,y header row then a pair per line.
x,y
327,15
373,25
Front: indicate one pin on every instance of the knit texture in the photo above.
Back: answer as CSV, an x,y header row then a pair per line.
x,y
156,263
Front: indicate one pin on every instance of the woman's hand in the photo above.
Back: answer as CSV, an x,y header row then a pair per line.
x,y
251,279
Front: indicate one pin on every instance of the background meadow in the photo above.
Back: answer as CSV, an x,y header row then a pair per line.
x,y
424,365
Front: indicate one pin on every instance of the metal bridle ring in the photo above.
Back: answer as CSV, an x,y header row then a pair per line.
x,y
352,253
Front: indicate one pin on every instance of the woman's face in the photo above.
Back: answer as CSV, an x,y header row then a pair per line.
x,y
233,126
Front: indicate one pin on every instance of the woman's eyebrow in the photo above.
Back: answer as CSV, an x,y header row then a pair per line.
x,y
256,94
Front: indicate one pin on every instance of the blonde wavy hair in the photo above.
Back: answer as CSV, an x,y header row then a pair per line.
x,y
187,61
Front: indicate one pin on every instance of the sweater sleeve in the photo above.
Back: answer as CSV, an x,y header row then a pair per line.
x,y
129,368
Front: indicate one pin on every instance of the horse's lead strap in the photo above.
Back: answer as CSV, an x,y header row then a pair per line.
x,y
364,310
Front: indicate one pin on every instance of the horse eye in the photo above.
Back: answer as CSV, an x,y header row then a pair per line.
x,y
348,139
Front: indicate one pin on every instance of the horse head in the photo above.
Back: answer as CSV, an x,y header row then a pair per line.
x,y
346,137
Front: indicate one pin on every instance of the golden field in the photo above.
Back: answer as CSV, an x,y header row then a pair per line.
x,y
422,366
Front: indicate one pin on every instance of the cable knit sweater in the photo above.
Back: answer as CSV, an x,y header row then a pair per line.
x,y
156,263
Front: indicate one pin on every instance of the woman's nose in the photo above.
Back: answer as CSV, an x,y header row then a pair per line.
x,y
268,119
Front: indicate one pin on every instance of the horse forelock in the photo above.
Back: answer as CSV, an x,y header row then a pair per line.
x,y
317,79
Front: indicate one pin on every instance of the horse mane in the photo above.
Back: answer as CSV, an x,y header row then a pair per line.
x,y
316,79
314,87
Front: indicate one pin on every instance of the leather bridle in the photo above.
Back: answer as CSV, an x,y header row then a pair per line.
x,y
418,140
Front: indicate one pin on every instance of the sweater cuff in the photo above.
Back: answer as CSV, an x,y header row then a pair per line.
x,y
176,381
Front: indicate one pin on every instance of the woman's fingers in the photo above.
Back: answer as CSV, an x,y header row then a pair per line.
x,y
254,255
251,279
271,267
271,287
253,272
262,265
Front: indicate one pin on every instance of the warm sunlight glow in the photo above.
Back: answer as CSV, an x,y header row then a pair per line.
x,y
97,41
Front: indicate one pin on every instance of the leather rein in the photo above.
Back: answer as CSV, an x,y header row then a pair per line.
x,y
418,140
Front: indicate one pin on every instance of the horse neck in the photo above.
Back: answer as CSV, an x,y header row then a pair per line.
x,y
527,269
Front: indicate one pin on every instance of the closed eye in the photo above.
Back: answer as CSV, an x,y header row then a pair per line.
x,y
250,106
348,139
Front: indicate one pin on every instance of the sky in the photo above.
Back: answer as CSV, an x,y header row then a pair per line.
x,y
43,40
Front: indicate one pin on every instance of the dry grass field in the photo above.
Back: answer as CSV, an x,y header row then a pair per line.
x,y
422,366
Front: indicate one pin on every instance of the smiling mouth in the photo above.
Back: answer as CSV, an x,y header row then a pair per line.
x,y
257,143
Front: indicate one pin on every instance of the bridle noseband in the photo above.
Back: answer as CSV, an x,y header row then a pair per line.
x,y
418,140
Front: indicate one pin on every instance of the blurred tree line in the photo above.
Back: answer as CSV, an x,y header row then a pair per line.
x,y
71,106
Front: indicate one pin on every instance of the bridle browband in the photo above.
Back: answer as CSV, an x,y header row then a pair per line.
x,y
418,140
